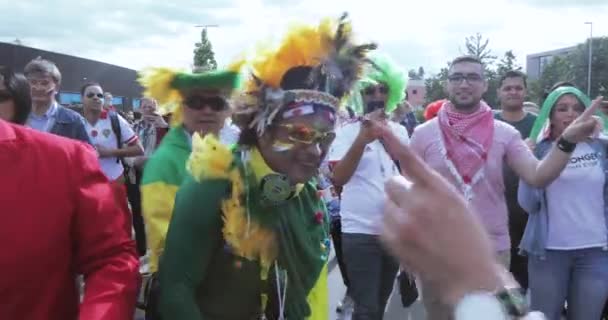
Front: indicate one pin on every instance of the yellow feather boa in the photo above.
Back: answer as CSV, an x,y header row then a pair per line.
x,y
212,160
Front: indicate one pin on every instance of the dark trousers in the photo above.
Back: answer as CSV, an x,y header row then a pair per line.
x,y
336,237
134,196
519,264
371,273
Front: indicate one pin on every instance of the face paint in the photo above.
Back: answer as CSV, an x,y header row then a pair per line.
x,y
279,146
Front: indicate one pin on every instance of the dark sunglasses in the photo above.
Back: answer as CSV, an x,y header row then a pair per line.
x,y
372,90
199,103
90,95
5,96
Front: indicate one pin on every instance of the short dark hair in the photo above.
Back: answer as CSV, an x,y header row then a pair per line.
x,y
514,74
89,84
466,58
18,87
44,66
557,85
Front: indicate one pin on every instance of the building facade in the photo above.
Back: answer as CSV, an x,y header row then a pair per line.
x,y
416,93
75,72
535,63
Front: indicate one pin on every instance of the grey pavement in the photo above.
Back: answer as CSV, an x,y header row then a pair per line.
x,y
394,310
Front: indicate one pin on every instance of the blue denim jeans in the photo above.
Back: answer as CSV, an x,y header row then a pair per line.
x,y
579,277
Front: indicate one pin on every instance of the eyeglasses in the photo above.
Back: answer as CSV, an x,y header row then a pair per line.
x,y
199,103
307,135
373,89
471,78
90,95
5,96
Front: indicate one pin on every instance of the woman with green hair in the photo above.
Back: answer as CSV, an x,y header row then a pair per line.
x,y
567,232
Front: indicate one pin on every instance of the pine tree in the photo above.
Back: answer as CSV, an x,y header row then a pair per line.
x,y
204,58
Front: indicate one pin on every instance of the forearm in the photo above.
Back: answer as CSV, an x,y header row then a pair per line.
x,y
128,151
346,167
549,168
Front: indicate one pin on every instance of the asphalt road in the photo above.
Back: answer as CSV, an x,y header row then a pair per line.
x,y
394,310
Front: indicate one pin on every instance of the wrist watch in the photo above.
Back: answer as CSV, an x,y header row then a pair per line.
x,y
565,145
504,304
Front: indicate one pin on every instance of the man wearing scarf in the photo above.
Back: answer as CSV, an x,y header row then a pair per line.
x,y
468,147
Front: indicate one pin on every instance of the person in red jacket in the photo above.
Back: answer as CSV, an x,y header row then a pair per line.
x,y
59,220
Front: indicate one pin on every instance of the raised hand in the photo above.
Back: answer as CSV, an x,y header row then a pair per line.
x,y
584,126
372,126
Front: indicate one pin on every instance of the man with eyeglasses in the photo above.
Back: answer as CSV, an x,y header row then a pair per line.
x,y
361,167
204,109
47,115
468,147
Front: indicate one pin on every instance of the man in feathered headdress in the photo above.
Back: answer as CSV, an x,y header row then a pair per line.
x,y
362,166
249,234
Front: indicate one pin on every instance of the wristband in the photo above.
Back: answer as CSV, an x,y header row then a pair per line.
x,y
565,145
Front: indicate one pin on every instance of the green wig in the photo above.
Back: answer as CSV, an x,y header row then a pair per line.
x,y
383,71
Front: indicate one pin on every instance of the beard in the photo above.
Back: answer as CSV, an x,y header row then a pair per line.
x,y
373,106
464,106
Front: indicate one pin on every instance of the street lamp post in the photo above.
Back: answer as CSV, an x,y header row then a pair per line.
x,y
590,57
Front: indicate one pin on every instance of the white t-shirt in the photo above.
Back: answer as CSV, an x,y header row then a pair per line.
x,y
576,203
101,134
229,134
362,203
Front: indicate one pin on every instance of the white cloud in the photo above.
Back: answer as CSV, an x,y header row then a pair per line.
x,y
427,33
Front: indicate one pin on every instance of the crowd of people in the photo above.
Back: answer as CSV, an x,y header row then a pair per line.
x,y
224,194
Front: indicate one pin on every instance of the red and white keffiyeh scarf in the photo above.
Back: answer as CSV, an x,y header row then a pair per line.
x,y
467,139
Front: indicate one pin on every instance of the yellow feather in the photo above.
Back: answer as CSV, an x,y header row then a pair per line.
x,y
303,45
209,158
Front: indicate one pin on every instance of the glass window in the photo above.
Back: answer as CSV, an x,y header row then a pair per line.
x,y
544,61
136,103
68,98
117,101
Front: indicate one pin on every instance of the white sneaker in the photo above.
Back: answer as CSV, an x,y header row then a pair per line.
x,y
347,304
144,266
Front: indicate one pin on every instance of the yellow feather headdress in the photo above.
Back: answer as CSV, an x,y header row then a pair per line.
x,y
314,64
166,85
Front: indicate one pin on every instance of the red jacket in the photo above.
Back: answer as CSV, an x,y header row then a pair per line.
x,y
58,219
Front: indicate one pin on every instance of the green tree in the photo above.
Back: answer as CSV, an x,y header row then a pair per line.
x,y
204,58
579,61
435,86
507,63
477,46
558,69
416,75
421,72
412,74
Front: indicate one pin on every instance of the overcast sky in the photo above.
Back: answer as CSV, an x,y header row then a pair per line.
x,y
428,33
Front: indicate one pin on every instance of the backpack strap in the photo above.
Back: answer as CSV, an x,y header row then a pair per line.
x,y
115,123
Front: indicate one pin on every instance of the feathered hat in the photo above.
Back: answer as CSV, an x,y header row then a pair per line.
x,y
168,85
383,70
313,67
